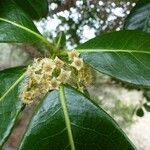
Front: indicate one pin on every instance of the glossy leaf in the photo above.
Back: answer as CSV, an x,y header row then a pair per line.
x,y
139,17
68,120
15,25
10,105
124,55
36,9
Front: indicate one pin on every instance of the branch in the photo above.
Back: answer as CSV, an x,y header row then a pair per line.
x,y
31,50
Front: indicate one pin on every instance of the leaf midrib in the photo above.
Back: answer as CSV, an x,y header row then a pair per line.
x,y
66,116
112,50
12,86
27,30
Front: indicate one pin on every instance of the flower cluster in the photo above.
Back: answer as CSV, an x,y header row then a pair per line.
x,y
47,74
44,75
84,75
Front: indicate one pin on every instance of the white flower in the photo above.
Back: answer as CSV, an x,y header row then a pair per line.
x,y
54,84
64,76
46,60
30,71
37,65
58,62
27,97
48,66
73,54
37,77
77,63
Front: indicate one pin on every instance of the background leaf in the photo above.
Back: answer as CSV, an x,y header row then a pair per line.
x,y
15,25
147,107
140,112
139,17
36,9
147,95
124,55
10,105
91,127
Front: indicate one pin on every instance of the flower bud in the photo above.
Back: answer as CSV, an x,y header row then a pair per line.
x,y
58,62
64,76
73,54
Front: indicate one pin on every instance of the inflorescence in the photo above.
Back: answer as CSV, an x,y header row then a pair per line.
x,y
47,74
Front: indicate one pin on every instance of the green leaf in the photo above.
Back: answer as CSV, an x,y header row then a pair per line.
x,y
124,55
10,105
140,112
16,26
147,95
36,9
66,119
139,17
147,107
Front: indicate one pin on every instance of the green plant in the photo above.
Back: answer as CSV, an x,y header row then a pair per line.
x,y
65,117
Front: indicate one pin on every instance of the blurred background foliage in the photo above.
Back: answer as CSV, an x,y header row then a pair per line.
x,y
81,20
